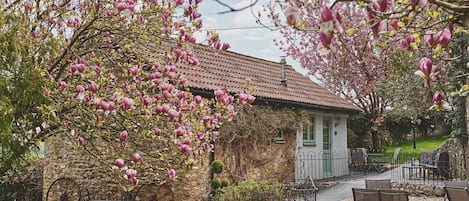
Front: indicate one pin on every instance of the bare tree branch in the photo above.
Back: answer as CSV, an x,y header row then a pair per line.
x,y
231,9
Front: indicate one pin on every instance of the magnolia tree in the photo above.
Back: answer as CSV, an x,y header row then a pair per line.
x,y
115,89
416,25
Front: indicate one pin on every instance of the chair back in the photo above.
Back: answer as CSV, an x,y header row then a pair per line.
x,y
393,195
456,183
378,183
456,193
358,156
426,158
395,156
361,194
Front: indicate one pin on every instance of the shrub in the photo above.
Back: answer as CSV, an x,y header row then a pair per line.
x,y
250,190
217,166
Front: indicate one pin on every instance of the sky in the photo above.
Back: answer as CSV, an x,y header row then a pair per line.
x,y
236,29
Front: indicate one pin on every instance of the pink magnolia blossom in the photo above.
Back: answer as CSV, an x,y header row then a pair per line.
x,y
171,174
137,158
326,14
123,136
198,99
186,148
242,98
93,87
119,163
439,102
438,97
127,103
407,41
157,132
325,39
426,68
79,89
63,85
147,100
130,173
28,6
80,140
291,14
225,46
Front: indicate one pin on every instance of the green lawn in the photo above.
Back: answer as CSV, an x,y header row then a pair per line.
x,y
407,150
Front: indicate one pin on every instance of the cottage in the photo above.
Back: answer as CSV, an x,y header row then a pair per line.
x,y
278,84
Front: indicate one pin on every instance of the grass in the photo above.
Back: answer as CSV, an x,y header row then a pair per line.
x,y
407,149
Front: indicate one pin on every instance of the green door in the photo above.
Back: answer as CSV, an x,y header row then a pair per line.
x,y
327,148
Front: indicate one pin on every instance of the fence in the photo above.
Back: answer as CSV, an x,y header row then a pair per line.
x,y
344,165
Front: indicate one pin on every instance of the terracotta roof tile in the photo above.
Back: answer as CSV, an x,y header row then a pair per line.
x,y
230,70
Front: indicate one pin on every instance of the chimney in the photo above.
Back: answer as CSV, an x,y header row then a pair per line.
x,y
283,79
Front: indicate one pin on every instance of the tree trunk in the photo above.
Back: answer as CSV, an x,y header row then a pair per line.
x,y
375,139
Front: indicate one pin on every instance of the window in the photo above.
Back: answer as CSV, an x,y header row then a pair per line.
x,y
308,132
279,138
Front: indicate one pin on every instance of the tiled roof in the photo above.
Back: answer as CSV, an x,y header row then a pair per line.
x,y
219,69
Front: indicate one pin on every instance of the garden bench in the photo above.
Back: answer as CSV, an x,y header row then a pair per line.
x,y
358,159
373,194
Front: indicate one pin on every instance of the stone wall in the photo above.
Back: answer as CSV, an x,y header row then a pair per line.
x,y
274,161
420,190
457,159
65,160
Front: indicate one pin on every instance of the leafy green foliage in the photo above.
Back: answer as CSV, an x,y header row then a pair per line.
x,y
250,190
21,95
398,127
458,75
217,166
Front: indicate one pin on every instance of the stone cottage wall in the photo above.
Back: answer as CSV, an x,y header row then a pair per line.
x,y
66,161
456,157
274,161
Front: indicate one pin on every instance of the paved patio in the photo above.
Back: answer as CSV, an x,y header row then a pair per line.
x,y
343,190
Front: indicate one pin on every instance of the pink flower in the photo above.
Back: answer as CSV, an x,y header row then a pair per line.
x,y
326,14
130,173
79,89
444,37
187,141
220,92
179,132
157,132
439,102
63,85
127,103
291,14
251,99
134,181
198,99
80,140
186,148
196,14
426,66
407,41
242,98
438,98
171,174
123,136
134,71
28,6
137,158
225,46
147,100
179,2
173,113
34,34
119,163
93,87
325,39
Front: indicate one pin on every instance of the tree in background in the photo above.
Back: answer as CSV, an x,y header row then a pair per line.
x,y
113,83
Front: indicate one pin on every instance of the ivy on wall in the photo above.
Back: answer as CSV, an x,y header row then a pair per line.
x,y
458,74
